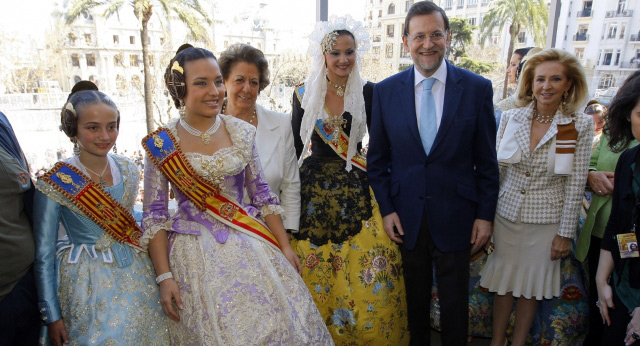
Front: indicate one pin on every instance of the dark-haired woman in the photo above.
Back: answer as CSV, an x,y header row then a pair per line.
x,y
226,271
618,276
245,71
352,268
95,285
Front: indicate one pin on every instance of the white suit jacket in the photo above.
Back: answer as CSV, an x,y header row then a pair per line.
x,y
274,140
527,189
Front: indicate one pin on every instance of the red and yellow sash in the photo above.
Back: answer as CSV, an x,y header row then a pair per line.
x,y
328,130
95,203
166,154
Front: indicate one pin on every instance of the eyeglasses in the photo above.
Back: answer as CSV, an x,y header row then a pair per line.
x,y
433,37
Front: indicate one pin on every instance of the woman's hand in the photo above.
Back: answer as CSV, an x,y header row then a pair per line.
x,y
291,256
57,333
633,327
169,292
605,301
560,247
601,182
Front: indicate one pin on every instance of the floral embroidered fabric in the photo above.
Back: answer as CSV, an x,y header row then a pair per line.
x,y
236,290
334,202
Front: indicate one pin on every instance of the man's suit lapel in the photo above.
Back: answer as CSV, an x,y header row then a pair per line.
x,y
407,105
452,96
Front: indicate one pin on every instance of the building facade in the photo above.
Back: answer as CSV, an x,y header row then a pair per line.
x,y
605,36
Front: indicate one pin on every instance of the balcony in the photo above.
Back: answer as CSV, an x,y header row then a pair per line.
x,y
635,38
632,65
625,13
580,37
583,14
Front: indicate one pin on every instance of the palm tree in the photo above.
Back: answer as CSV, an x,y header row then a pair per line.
x,y
189,12
461,37
530,15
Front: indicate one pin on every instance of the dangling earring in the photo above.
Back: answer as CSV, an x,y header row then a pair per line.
x,y
76,148
182,110
115,149
564,97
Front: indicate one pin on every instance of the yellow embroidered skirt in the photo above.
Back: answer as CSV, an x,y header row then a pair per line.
x,y
355,278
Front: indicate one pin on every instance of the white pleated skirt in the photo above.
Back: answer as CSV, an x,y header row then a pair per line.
x,y
521,262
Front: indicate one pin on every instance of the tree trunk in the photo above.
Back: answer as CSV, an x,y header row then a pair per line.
x,y
509,54
148,79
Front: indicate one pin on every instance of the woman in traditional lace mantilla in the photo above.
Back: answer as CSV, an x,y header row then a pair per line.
x,y
95,285
350,265
226,278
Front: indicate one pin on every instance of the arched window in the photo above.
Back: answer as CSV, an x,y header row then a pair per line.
x,y
607,81
94,80
136,82
76,79
392,9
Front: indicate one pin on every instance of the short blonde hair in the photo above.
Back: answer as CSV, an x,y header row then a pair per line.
x,y
578,92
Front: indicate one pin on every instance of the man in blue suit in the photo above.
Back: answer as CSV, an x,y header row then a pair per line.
x,y
432,165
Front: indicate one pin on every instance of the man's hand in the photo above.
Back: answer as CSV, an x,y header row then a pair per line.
x,y
389,222
480,234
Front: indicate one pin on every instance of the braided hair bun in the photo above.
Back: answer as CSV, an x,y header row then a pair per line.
x,y
82,94
174,75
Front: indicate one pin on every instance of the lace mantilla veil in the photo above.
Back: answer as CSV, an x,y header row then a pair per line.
x,y
316,85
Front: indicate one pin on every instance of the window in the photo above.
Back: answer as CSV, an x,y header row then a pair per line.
x,y
379,13
87,38
485,2
72,39
91,59
133,60
121,82
471,21
370,14
117,59
404,53
391,9
152,60
460,3
132,39
375,50
75,60
390,29
389,50
136,83
259,45
622,5
622,29
448,4
613,30
522,37
162,41
116,39
481,20
579,53
472,2
76,79
376,38
606,59
617,57
226,44
407,5
606,82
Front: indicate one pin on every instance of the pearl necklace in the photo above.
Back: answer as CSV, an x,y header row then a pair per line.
x,y
102,183
250,121
339,88
545,119
204,136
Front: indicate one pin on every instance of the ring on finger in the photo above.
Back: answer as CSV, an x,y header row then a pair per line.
x,y
635,336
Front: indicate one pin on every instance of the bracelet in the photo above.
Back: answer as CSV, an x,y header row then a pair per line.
x,y
162,277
